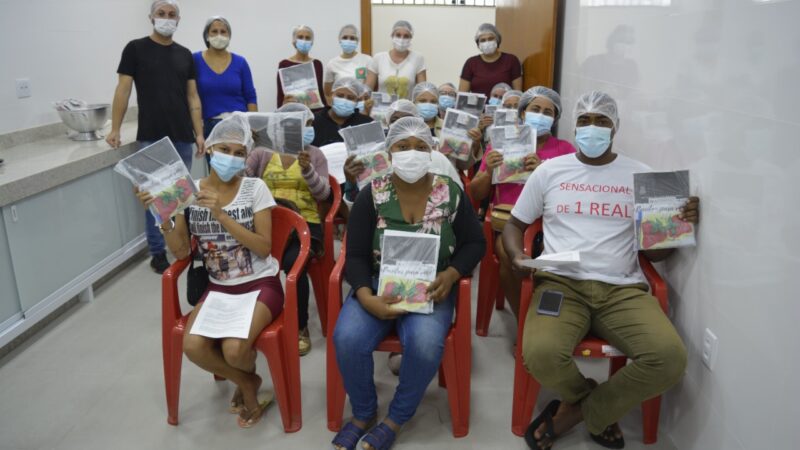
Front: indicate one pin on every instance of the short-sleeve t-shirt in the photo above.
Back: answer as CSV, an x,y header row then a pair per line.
x,y
160,73
394,78
587,209
355,67
228,262
482,76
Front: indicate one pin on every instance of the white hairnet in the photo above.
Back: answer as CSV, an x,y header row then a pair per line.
x,y
598,102
349,29
503,86
488,28
210,21
403,24
401,106
407,127
156,3
511,93
234,129
448,84
297,107
540,91
348,83
425,86
300,28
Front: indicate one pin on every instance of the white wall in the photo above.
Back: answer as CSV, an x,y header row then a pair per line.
x,y
716,93
71,48
444,35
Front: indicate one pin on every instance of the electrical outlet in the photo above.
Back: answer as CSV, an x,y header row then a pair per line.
x,y
710,345
23,87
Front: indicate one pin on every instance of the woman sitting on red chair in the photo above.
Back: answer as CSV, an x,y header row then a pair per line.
x,y
411,199
232,222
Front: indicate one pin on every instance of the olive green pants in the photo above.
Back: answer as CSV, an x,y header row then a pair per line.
x,y
629,318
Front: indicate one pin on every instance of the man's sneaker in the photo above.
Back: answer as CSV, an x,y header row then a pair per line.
x,y
159,263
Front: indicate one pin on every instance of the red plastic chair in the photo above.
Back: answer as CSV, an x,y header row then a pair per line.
x,y
320,268
278,341
526,388
454,372
490,293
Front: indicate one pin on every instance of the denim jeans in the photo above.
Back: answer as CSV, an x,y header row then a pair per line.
x,y
422,336
155,241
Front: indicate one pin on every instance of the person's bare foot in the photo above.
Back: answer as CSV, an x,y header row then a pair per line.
x,y
237,401
395,427
249,388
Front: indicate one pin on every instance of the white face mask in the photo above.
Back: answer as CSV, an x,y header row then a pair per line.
x,y
219,41
401,44
165,27
488,47
411,165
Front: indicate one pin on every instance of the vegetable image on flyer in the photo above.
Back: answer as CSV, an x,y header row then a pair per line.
x,y
454,140
515,143
408,267
658,199
159,170
300,82
366,142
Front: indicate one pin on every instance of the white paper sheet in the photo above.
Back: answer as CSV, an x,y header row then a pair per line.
x,y
336,154
553,260
225,315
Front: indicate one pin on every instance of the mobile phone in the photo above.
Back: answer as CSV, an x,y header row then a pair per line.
x,y
550,303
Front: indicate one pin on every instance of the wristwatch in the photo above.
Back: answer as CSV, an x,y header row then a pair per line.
x,y
172,226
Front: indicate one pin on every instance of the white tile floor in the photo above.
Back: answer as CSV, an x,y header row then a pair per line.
x,y
93,380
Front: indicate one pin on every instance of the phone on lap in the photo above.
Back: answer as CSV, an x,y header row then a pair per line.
x,y
550,303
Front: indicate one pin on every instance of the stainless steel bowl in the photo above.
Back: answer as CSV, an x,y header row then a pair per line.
x,y
86,121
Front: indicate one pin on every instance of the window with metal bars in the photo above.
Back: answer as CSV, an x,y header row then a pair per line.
x,y
489,3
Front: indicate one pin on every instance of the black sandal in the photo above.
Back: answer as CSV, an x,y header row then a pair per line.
x,y
545,417
608,439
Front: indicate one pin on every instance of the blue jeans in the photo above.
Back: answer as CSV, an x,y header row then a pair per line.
x,y
155,241
357,335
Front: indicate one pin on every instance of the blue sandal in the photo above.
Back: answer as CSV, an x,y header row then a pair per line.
x,y
381,437
348,436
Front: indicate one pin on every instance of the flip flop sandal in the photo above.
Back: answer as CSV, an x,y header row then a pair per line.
x,y
545,417
603,438
236,402
381,437
348,436
263,401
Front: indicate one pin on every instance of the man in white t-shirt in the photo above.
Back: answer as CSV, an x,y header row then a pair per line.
x,y
585,201
351,63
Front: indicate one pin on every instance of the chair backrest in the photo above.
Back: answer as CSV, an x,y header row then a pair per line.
x,y
530,235
336,197
284,222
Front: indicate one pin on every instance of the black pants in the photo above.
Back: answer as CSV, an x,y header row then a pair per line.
x,y
303,291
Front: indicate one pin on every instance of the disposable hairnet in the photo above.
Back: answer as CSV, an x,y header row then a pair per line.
x,y
297,107
540,91
349,30
404,25
300,28
156,3
425,86
210,21
511,93
447,85
348,83
488,28
503,86
401,106
407,127
598,102
234,129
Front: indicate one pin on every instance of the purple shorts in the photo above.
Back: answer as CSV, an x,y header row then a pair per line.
x,y
270,292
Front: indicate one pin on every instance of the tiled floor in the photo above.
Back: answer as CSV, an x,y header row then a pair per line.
x,y
93,380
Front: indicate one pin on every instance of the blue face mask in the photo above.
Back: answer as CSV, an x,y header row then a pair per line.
x,y
226,166
494,101
308,136
428,110
593,141
343,107
540,122
303,46
348,46
360,106
445,101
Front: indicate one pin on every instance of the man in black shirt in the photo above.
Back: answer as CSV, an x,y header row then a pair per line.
x,y
169,106
342,114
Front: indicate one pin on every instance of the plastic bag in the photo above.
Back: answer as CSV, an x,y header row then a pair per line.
x,y
281,132
658,198
382,101
408,267
490,110
454,140
159,170
505,117
515,143
471,103
300,82
367,143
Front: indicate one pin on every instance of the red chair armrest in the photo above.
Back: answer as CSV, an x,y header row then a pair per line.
x,y
170,299
335,287
464,303
657,284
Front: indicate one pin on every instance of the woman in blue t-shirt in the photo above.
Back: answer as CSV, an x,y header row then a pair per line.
x,y
224,81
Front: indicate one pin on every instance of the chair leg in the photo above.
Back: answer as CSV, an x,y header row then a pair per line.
x,y
173,361
499,297
489,272
651,410
316,272
442,378
282,383
526,392
449,371
335,389
616,363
